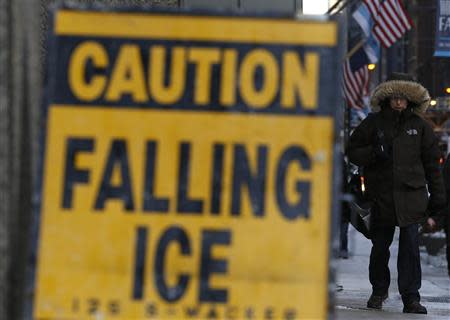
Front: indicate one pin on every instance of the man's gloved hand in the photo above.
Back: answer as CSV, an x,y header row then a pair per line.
x,y
382,152
431,225
381,149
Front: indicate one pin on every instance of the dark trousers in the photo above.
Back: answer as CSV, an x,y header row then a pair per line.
x,y
408,262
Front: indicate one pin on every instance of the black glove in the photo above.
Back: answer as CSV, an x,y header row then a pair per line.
x,y
381,149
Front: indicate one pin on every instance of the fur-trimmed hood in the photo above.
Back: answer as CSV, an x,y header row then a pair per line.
x,y
411,90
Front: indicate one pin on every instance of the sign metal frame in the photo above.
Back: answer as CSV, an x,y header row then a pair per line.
x,y
59,104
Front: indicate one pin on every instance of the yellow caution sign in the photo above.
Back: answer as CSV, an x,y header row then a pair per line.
x,y
187,168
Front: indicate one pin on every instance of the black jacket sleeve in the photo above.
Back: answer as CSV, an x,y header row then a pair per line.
x,y
430,160
360,150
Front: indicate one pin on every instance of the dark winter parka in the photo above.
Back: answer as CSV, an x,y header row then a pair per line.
x,y
398,181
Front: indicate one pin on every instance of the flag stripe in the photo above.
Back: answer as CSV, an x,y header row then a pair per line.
x,y
381,36
393,21
352,86
355,85
404,16
349,93
387,28
373,7
396,20
385,24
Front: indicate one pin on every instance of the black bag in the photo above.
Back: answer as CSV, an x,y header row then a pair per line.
x,y
360,208
360,217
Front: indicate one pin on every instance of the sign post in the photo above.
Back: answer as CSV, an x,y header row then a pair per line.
x,y
187,170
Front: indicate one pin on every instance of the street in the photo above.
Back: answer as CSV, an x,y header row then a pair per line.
x,y
352,274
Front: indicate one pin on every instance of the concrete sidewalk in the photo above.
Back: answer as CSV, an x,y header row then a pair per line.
x,y
353,275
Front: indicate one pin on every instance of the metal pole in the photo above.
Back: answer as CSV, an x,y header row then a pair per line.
x,y
5,180
299,6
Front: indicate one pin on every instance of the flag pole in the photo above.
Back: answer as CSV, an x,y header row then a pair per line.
x,y
334,6
354,49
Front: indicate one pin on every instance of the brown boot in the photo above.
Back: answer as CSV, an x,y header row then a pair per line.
x,y
375,302
414,307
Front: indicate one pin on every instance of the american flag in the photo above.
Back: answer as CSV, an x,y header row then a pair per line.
x,y
356,80
390,20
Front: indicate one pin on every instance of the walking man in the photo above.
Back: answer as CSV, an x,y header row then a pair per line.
x,y
400,156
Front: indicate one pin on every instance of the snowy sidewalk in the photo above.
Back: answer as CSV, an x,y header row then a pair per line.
x,y
352,274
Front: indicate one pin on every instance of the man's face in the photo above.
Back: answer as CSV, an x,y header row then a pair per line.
x,y
398,103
